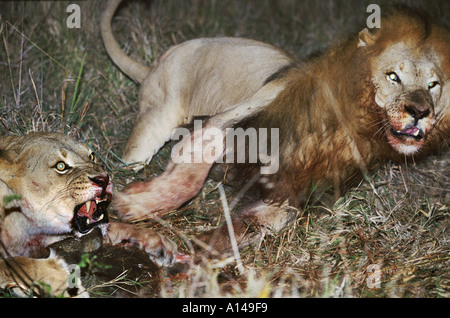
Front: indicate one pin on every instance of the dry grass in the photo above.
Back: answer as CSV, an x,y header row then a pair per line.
x,y
397,220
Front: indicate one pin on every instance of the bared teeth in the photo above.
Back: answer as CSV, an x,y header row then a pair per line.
x,y
88,206
88,221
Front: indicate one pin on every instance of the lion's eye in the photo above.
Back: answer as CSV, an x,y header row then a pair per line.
x,y
432,84
92,156
393,77
61,166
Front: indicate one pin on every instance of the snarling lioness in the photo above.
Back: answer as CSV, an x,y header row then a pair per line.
x,y
379,95
51,186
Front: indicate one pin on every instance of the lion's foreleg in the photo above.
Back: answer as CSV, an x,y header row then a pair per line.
x,y
162,194
159,248
181,181
186,173
250,225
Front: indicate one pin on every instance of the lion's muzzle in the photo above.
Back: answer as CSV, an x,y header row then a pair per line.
x,y
413,120
93,212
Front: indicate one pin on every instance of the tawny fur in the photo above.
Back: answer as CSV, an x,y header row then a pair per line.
x,y
44,205
201,77
377,96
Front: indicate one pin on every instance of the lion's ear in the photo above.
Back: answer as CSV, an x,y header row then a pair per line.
x,y
366,38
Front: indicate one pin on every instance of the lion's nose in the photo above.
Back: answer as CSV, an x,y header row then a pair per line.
x,y
419,104
417,112
102,181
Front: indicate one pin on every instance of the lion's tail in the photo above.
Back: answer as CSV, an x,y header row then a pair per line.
x,y
137,71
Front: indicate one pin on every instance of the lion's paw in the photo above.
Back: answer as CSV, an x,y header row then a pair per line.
x,y
159,248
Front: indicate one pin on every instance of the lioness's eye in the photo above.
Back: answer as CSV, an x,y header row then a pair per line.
x,y
432,84
92,156
61,166
393,77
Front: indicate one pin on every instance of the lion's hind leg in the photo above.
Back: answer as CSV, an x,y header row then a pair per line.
x,y
150,132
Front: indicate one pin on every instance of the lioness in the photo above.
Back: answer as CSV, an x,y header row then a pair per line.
x,y
379,95
50,187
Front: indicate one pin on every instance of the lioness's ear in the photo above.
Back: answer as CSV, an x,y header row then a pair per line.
x,y
366,38
6,164
5,155
10,146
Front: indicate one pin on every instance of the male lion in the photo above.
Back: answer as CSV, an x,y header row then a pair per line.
x,y
50,187
379,95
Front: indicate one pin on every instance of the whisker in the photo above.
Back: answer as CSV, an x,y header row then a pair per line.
x,y
380,132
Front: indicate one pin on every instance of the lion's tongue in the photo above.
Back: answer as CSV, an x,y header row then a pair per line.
x,y
88,209
411,131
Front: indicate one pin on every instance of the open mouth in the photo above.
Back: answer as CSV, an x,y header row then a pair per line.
x,y
409,132
91,214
